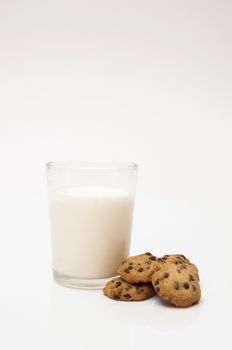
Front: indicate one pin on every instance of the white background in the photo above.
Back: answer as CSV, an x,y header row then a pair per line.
x,y
147,81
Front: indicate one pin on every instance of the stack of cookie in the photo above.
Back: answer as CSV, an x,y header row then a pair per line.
x,y
173,278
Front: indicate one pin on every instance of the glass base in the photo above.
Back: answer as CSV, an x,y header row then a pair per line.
x,y
80,283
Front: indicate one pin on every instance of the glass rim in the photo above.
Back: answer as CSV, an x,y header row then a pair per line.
x,y
92,165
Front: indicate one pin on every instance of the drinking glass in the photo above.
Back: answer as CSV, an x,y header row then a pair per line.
x,y
91,210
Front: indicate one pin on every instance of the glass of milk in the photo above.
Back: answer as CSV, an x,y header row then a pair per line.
x,y
91,209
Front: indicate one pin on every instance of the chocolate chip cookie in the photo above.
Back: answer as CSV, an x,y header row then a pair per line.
x,y
137,269
176,285
181,261
118,289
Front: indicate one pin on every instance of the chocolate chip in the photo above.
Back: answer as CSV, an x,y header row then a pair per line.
x,y
147,253
127,295
152,258
176,285
126,270
166,275
194,288
157,289
176,262
191,278
159,259
118,284
148,262
130,267
140,269
178,270
184,267
186,285
183,256
116,296
165,257
148,267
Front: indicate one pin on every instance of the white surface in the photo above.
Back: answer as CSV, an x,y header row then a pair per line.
x,y
146,81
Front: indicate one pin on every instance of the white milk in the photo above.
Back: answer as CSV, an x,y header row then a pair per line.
x,y
91,229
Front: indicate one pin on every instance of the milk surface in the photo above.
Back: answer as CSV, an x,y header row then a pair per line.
x,y
91,229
